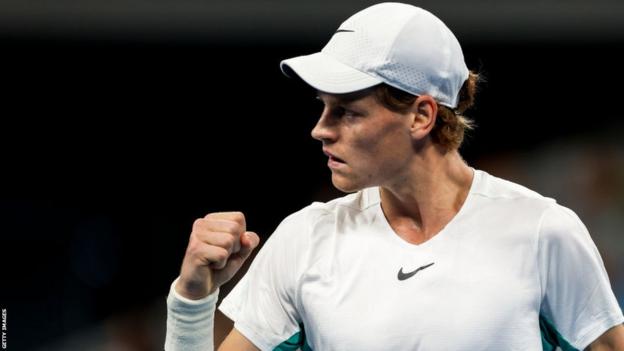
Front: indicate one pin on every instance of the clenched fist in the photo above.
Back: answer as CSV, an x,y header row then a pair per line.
x,y
218,246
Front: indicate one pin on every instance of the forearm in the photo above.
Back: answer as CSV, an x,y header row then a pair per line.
x,y
190,323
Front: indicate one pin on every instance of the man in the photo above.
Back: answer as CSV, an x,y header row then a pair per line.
x,y
426,253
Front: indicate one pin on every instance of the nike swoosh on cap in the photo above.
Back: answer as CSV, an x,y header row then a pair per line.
x,y
403,276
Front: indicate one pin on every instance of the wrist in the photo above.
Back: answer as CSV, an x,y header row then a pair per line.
x,y
190,323
192,290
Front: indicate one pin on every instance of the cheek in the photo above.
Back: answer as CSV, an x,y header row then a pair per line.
x,y
385,147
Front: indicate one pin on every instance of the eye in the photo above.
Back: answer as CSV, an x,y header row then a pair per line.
x,y
339,112
349,113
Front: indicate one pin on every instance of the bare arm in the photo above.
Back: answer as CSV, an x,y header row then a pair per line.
x,y
235,341
229,337
611,340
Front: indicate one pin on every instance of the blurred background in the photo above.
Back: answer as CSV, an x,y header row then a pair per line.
x,y
123,121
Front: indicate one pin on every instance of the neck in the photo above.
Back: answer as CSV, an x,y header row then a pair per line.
x,y
427,196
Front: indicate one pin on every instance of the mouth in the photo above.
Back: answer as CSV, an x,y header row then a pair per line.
x,y
334,162
336,159
333,157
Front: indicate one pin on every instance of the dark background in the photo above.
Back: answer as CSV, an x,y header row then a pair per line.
x,y
114,139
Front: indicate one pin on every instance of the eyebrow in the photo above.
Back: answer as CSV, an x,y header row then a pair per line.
x,y
348,97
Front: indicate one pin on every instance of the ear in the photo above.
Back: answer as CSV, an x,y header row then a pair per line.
x,y
425,110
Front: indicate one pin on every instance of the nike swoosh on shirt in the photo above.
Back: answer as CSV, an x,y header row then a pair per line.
x,y
344,30
403,276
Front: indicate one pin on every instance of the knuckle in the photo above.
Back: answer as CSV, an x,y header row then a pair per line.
x,y
213,215
192,248
234,227
228,242
221,254
239,217
198,223
235,217
195,236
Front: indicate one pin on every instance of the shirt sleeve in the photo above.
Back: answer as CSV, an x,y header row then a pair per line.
x,y
577,299
263,303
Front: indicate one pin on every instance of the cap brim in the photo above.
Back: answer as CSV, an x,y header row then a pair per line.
x,y
326,74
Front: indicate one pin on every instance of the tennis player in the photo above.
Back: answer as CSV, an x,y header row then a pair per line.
x,y
425,253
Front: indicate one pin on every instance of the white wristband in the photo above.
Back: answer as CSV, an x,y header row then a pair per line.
x,y
190,323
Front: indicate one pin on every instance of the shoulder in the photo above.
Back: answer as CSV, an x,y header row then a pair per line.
x,y
561,223
508,198
320,219
496,188
305,232
350,204
553,219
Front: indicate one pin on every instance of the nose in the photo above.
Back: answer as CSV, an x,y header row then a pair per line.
x,y
324,130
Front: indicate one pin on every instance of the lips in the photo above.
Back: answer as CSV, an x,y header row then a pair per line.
x,y
333,157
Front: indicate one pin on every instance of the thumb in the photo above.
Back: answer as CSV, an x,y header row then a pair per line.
x,y
249,241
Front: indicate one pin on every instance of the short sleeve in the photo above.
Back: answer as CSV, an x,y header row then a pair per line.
x,y
577,299
263,303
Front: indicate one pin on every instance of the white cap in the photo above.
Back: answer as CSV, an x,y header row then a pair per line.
x,y
398,44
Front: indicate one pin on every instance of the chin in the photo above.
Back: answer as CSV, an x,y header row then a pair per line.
x,y
345,185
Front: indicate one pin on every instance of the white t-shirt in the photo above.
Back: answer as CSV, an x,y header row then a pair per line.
x,y
513,270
